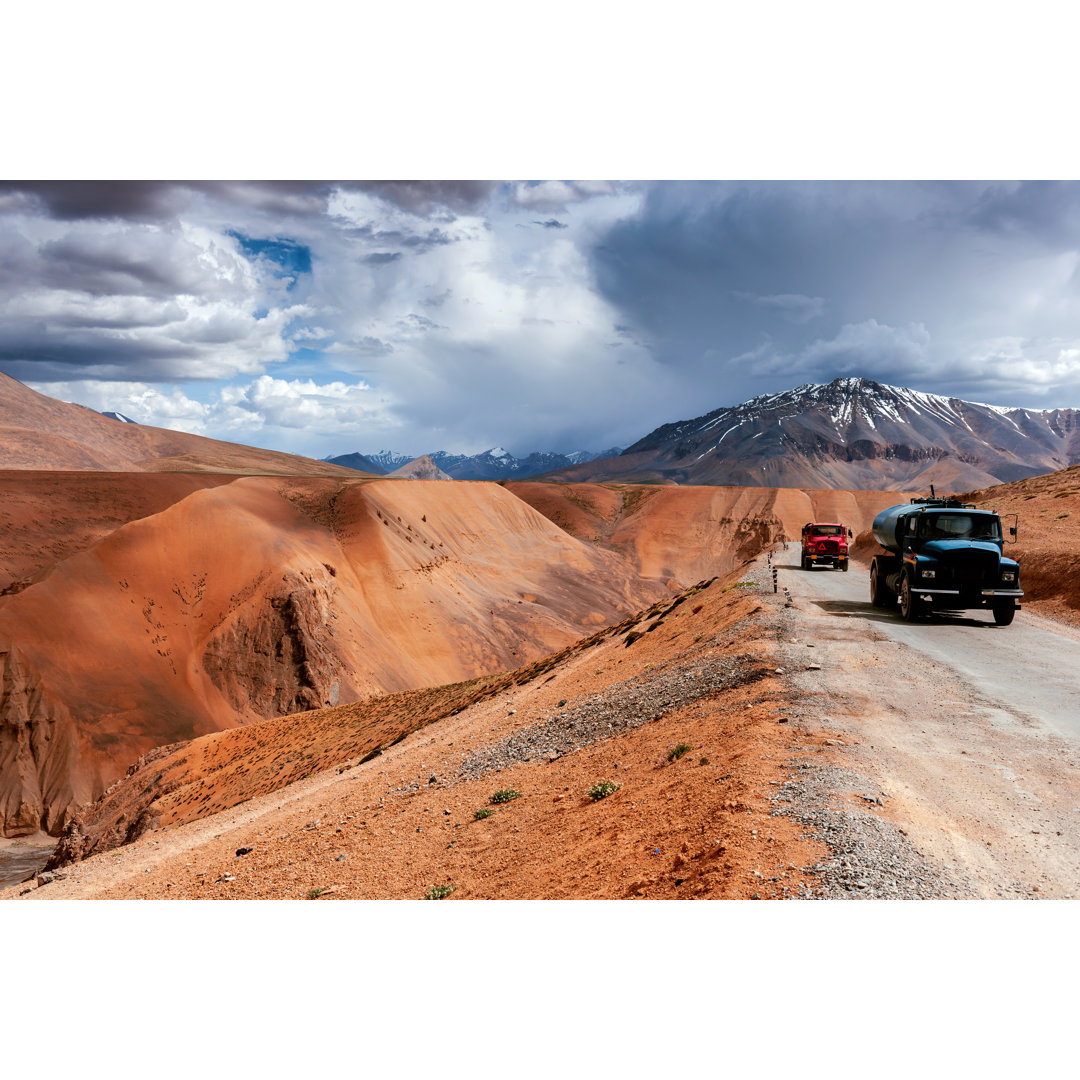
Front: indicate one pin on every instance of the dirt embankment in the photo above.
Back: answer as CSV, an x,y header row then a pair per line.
x,y
262,597
678,710
686,533
46,517
1048,538
174,785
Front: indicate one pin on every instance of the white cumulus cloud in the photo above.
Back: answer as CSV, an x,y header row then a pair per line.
x,y
302,404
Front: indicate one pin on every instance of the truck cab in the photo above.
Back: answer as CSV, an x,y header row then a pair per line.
x,y
943,553
824,544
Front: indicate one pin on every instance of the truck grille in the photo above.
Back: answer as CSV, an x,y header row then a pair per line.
x,y
971,569
830,547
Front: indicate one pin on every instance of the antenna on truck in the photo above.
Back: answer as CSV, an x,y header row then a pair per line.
x,y
932,495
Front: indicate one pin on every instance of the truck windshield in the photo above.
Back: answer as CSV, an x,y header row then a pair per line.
x,y
960,527
829,530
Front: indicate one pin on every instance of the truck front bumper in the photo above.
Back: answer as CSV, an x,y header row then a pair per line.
x,y
1015,593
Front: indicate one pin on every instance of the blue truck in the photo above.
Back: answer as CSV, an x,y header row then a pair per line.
x,y
943,553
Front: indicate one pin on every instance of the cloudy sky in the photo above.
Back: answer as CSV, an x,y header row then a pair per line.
x,y
325,318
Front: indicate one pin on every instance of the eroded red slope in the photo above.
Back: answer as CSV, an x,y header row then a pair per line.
x,y
266,596
684,534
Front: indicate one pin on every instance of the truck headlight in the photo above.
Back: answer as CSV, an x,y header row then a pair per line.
x,y
927,573
1008,575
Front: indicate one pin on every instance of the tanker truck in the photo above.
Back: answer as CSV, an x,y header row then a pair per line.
x,y
942,553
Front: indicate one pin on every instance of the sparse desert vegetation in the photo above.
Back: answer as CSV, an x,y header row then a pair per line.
x,y
602,789
439,892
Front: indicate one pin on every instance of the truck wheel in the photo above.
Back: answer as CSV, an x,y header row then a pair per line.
x,y
910,605
1003,615
844,566
806,564
880,595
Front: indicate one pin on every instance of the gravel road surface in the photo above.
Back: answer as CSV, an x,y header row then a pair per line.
x,y
963,734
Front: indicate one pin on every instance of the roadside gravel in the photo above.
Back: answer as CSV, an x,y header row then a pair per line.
x,y
871,858
622,707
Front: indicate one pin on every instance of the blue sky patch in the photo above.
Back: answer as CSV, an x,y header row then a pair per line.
x,y
288,256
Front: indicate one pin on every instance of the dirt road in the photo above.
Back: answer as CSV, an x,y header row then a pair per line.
x,y
969,733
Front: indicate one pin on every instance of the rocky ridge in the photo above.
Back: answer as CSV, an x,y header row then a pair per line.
x,y
851,433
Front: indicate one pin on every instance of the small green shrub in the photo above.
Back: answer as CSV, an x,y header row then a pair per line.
x,y
602,790
483,812
439,892
507,795
678,750
314,894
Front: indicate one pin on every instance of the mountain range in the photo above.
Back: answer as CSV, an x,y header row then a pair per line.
x,y
850,434
853,434
493,464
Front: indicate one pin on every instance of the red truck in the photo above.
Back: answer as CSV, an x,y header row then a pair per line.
x,y
824,545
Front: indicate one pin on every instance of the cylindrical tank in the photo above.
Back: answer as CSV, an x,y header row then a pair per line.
x,y
887,527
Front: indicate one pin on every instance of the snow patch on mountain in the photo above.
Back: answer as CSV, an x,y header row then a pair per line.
x,y
855,433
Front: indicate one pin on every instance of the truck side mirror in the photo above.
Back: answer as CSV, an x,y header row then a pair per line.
x,y
849,532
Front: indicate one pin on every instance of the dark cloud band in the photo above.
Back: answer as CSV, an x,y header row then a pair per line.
x,y
155,200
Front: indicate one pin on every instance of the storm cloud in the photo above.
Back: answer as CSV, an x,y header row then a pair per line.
x,y
908,283
562,314
155,200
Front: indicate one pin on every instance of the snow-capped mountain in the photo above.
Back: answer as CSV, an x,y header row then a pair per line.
x,y
500,464
579,457
387,460
120,416
494,464
850,433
